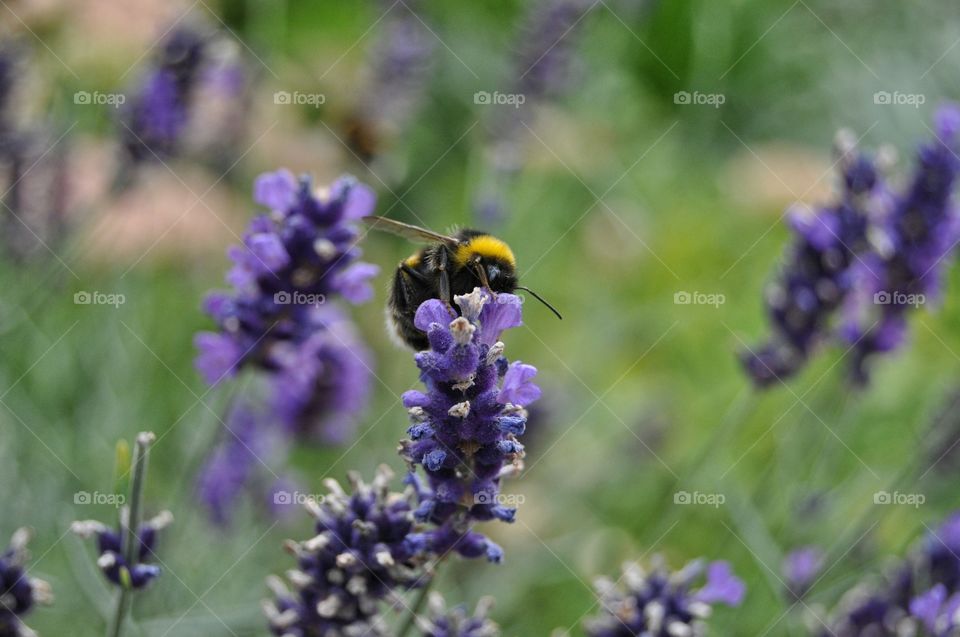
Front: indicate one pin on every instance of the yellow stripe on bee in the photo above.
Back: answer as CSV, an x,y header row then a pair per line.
x,y
412,261
485,246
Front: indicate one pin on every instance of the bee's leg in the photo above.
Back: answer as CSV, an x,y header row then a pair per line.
x,y
445,281
482,275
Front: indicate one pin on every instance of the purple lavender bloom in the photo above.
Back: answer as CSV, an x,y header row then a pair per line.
x,y
232,466
929,573
322,383
800,569
111,561
276,319
18,591
914,240
939,614
465,427
155,117
816,276
659,603
358,558
440,621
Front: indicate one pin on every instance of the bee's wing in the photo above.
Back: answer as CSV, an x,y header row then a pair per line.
x,y
407,231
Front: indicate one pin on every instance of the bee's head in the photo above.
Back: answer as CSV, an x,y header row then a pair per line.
x,y
491,259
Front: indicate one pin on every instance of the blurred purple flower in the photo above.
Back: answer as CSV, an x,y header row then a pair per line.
x,y
931,572
232,466
815,278
277,319
465,426
660,603
915,238
155,117
18,591
800,569
321,384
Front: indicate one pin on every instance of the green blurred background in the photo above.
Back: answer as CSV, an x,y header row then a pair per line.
x,y
624,199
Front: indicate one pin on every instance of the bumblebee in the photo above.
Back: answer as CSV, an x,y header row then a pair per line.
x,y
446,267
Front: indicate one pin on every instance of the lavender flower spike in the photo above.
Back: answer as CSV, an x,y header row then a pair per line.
x,y
659,603
293,262
358,558
917,234
111,560
156,117
465,427
816,277
19,593
439,621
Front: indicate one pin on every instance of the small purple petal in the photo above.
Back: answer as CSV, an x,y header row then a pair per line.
x,y
352,283
268,251
360,202
500,313
722,586
927,607
518,387
218,356
430,312
414,398
276,190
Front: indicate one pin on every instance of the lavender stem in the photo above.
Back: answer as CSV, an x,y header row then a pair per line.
x,y
129,524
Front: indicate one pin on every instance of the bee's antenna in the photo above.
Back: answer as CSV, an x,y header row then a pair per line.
x,y
541,299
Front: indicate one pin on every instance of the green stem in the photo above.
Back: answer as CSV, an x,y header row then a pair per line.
x,y
129,525
415,609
